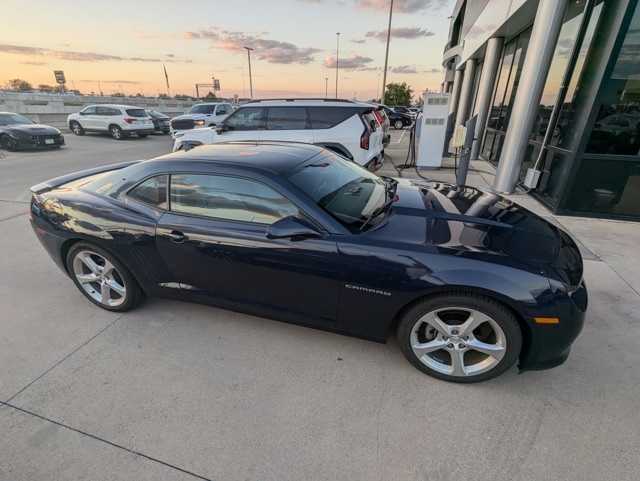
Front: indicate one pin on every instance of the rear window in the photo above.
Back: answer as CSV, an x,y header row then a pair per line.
x,y
136,112
327,117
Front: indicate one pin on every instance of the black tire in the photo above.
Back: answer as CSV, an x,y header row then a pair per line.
x,y
495,310
133,295
7,143
116,132
76,128
142,136
398,125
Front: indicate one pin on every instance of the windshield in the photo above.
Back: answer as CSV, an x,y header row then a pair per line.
x,y
345,190
203,109
13,119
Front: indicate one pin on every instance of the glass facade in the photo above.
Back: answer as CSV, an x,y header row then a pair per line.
x,y
506,85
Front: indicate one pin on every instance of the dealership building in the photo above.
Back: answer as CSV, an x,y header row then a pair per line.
x,y
552,86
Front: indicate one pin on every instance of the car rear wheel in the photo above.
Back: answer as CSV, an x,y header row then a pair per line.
x,y
102,279
76,128
460,337
116,132
398,124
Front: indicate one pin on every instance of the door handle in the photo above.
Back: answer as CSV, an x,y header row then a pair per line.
x,y
176,236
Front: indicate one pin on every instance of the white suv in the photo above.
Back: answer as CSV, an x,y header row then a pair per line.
x,y
118,120
349,128
207,114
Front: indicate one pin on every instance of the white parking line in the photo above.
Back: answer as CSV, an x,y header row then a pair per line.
x,y
401,136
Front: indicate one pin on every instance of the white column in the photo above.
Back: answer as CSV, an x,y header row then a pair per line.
x,y
455,91
485,90
466,92
544,36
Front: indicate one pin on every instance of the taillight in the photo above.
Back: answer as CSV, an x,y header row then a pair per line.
x,y
378,117
129,120
364,139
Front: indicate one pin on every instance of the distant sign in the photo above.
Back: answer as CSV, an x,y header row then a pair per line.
x,y
216,84
59,76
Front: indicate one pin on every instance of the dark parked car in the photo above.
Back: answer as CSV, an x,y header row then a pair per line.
x,y
469,281
398,119
160,121
19,132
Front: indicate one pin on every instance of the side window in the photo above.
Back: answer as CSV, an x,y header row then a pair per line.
x,y
327,117
223,109
152,191
107,111
89,110
287,118
228,198
247,118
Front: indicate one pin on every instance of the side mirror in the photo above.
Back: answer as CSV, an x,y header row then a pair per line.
x,y
292,228
221,128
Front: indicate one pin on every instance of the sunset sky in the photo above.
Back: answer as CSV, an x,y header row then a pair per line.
x,y
123,44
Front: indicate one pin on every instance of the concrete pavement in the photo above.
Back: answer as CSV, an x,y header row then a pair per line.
x,y
181,391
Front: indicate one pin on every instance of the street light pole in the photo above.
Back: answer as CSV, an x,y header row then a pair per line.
x,y
337,59
326,87
386,55
249,49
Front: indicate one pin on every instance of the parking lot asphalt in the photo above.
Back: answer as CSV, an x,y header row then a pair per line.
x,y
181,391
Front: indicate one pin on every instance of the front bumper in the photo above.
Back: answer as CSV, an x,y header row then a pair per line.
x,y
549,344
139,130
39,141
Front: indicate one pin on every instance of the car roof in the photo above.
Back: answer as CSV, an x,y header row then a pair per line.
x,y
118,106
274,156
305,103
214,102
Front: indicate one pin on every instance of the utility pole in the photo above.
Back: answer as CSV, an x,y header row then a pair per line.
x,y
337,59
326,87
386,55
249,49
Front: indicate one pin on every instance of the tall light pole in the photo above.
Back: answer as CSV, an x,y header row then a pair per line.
x,y
249,49
326,87
337,59
386,55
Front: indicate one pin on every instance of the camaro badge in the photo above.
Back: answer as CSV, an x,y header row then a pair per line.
x,y
367,289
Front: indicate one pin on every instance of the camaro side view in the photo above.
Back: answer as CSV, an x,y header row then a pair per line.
x,y
470,282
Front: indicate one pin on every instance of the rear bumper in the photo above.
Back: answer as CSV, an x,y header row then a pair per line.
x,y
549,344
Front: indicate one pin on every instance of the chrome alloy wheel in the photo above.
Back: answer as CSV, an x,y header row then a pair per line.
x,y
99,278
458,341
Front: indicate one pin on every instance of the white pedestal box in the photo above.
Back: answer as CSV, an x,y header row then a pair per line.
x,y
431,130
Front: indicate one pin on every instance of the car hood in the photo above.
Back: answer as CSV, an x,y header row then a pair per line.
x,y
31,129
484,225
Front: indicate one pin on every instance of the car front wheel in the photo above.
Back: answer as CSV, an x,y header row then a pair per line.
x,y
76,128
460,337
398,124
102,278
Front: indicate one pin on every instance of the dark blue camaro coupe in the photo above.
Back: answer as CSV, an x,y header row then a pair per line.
x,y
469,281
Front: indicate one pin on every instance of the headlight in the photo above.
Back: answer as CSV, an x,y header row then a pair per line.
x,y
178,135
198,123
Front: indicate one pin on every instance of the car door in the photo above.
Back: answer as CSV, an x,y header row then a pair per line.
x,y
104,116
246,123
288,123
214,241
87,118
